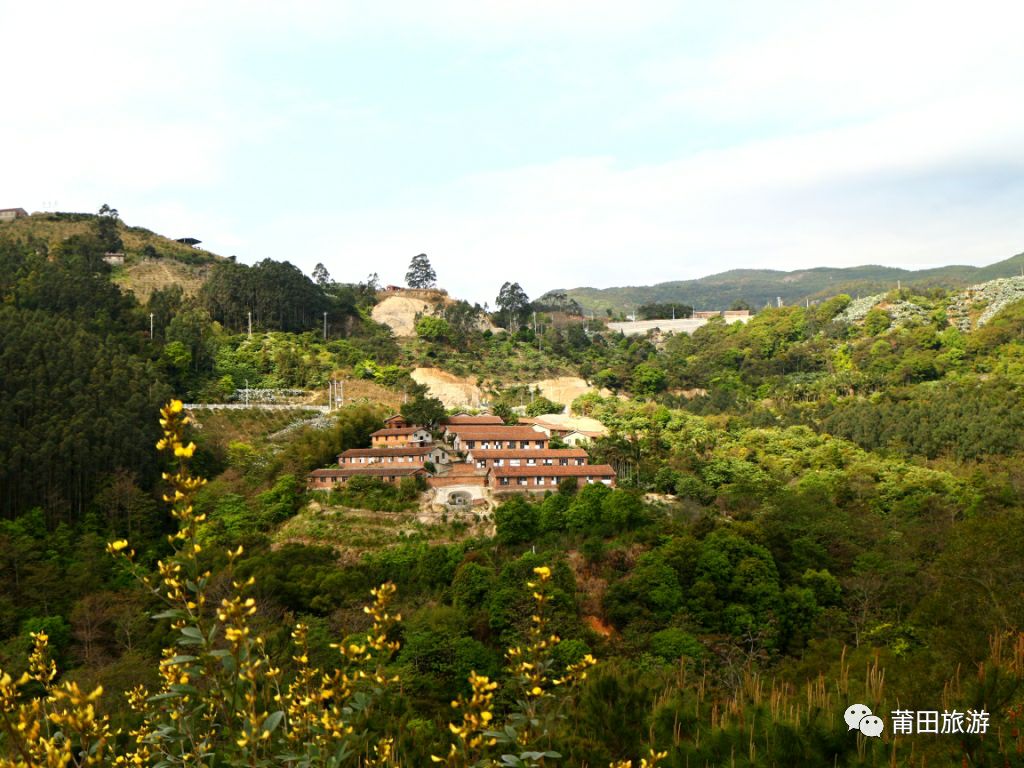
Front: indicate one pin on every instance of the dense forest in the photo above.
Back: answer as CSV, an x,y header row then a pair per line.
x,y
813,510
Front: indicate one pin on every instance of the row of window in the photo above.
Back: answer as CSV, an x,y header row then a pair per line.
x,y
486,445
482,463
541,481
385,460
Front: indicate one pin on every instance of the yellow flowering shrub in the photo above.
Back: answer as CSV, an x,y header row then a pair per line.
x,y
223,701
524,739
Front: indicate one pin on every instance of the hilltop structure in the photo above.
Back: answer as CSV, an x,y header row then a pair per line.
x,y
10,214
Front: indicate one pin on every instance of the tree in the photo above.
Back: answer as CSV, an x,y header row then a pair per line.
x,y
420,274
541,405
657,311
504,411
106,229
321,276
434,329
423,410
516,521
512,302
648,380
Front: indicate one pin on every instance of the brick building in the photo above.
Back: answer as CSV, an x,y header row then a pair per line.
x,y
411,454
543,478
466,438
10,214
546,457
400,436
325,479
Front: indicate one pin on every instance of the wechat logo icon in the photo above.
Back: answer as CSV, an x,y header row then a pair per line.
x,y
859,718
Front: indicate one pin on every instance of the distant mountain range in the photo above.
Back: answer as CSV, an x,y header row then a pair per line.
x,y
757,287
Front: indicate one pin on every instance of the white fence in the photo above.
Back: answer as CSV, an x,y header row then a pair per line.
x,y
257,406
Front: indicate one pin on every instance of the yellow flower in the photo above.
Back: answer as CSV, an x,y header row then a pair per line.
x,y
185,450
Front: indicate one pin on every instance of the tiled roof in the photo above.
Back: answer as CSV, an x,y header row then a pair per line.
x,y
392,431
587,470
405,450
499,432
464,420
526,453
372,471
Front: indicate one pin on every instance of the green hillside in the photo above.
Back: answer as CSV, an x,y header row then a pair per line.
x,y
152,261
758,287
817,509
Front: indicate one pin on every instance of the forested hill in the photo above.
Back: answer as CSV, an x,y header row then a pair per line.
x,y
757,287
821,506
151,261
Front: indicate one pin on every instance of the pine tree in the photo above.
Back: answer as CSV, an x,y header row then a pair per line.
x,y
421,274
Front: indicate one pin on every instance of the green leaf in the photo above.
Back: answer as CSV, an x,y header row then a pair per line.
x,y
173,613
273,720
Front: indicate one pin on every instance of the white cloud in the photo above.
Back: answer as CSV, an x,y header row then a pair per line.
x,y
851,133
873,193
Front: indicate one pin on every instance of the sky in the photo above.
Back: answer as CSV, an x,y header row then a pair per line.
x,y
557,144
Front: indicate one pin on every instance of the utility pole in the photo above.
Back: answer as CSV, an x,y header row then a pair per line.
x,y
250,325
151,326
246,391
325,326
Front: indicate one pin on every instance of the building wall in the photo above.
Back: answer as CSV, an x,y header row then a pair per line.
x,y
542,483
450,482
393,441
326,483
524,462
576,439
468,445
366,461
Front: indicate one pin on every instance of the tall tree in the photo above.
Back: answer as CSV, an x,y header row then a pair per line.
x,y
106,229
512,303
321,276
420,274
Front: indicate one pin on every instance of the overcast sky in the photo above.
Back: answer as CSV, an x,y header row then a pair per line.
x,y
556,143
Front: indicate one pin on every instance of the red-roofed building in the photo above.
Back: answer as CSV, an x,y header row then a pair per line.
x,y
466,438
397,421
325,479
391,438
547,478
10,214
545,457
409,454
